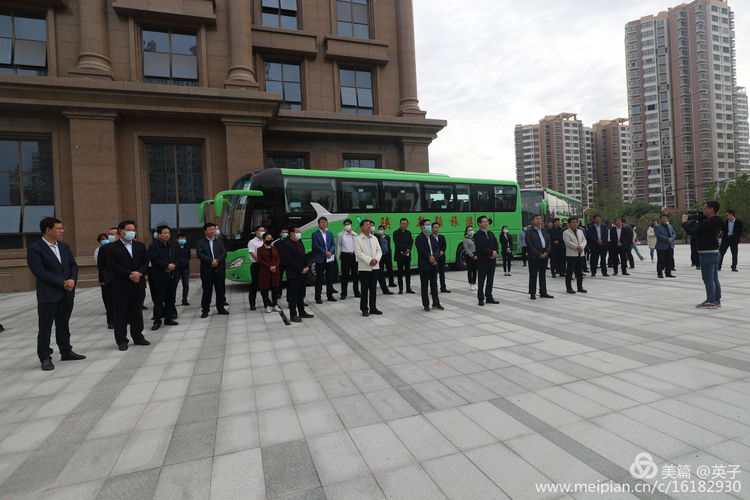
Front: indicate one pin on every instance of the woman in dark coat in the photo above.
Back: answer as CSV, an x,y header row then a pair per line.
x,y
270,274
506,249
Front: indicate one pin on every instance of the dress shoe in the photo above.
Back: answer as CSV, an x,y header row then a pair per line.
x,y
445,291
409,290
427,308
671,276
295,319
387,292
171,322
546,296
400,292
144,307
481,302
142,341
156,326
47,365
438,307
365,313
332,299
605,275
582,290
735,270
335,291
533,297
491,300
110,326
306,315
614,273
71,356
185,303
252,307
223,312
570,291
304,303
392,285
357,294
377,312
553,275
204,314
625,273
123,346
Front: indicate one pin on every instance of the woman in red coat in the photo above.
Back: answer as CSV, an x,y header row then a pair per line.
x,y
270,274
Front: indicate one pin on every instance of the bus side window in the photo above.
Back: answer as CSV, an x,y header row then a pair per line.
x,y
462,201
484,197
401,196
505,198
360,196
438,196
299,192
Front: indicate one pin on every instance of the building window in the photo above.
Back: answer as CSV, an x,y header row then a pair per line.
x,y
286,161
361,161
23,44
352,18
356,91
170,58
26,190
280,14
284,79
176,181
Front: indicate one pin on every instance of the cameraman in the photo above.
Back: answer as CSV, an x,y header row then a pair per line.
x,y
706,231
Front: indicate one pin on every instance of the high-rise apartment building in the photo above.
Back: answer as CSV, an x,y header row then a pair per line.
x,y
612,163
115,109
742,134
681,93
557,154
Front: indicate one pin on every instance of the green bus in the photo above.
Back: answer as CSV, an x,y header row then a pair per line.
x,y
550,205
277,198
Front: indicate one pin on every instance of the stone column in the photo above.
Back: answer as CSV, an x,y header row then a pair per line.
x,y
407,61
244,147
241,72
93,49
414,153
94,181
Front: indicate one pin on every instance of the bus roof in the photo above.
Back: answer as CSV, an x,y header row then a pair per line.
x,y
385,174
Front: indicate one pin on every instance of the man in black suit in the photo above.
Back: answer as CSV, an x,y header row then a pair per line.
x,y
428,262
212,254
403,242
596,236
538,246
292,253
127,265
164,256
486,253
52,263
104,280
621,238
732,231
442,248
557,251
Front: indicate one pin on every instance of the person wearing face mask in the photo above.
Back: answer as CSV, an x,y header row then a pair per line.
x,y
368,252
324,255
294,260
385,262
575,253
164,257
506,249
486,253
470,258
183,266
402,240
127,264
345,255
212,255
442,247
100,255
428,254
270,274
252,246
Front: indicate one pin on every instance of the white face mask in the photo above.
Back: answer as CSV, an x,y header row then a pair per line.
x,y
348,227
297,236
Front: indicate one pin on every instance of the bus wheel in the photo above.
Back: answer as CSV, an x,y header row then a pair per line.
x,y
310,279
459,264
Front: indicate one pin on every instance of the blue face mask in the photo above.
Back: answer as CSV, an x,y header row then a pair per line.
x,y
129,235
156,235
260,234
111,238
428,227
284,235
380,231
297,236
182,242
218,233
104,242
470,233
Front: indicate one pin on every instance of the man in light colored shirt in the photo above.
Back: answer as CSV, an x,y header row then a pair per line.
x,y
324,255
345,254
368,252
252,248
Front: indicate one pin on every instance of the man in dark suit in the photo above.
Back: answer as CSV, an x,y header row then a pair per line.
x,y
127,265
324,254
292,253
164,256
732,231
557,251
442,248
403,241
486,253
538,246
621,238
52,263
212,254
596,236
104,279
428,262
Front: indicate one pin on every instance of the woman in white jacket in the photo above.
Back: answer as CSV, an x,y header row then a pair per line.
x,y
575,245
651,238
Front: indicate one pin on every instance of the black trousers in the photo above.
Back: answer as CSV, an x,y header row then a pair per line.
x,y
59,314
611,256
403,271
211,281
574,265
368,284
107,299
274,299
164,288
471,270
485,277
726,243
185,279
150,281
428,280
387,268
324,272
598,258
349,273
385,261
524,256
295,295
538,271
127,306
694,258
254,277
620,258
631,260
557,259
664,259
507,259
441,272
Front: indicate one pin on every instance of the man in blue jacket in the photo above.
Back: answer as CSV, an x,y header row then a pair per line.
x,y
52,263
324,254
665,237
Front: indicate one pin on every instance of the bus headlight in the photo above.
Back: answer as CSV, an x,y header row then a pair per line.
x,y
236,263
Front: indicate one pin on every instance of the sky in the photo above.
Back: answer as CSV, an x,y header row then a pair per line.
x,y
488,65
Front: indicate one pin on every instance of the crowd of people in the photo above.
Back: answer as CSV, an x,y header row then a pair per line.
x,y
563,247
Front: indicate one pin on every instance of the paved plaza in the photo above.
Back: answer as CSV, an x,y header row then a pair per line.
x,y
467,403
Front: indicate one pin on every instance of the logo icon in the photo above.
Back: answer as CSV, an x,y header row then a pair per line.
x,y
643,466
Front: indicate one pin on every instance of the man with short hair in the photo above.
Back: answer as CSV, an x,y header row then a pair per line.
x,y
665,237
127,263
403,242
104,279
368,252
294,260
386,263
212,254
324,255
732,231
164,257
442,246
486,253
597,235
427,264
557,251
252,248
621,238
707,232
52,263
538,245
183,266
575,245
345,255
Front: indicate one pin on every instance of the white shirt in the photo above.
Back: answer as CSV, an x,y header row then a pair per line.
x,y
96,253
347,242
128,246
253,246
55,249
325,242
541,236
211,246
429,242
619,232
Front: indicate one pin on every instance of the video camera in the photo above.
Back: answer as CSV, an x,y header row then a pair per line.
x,y
695,215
